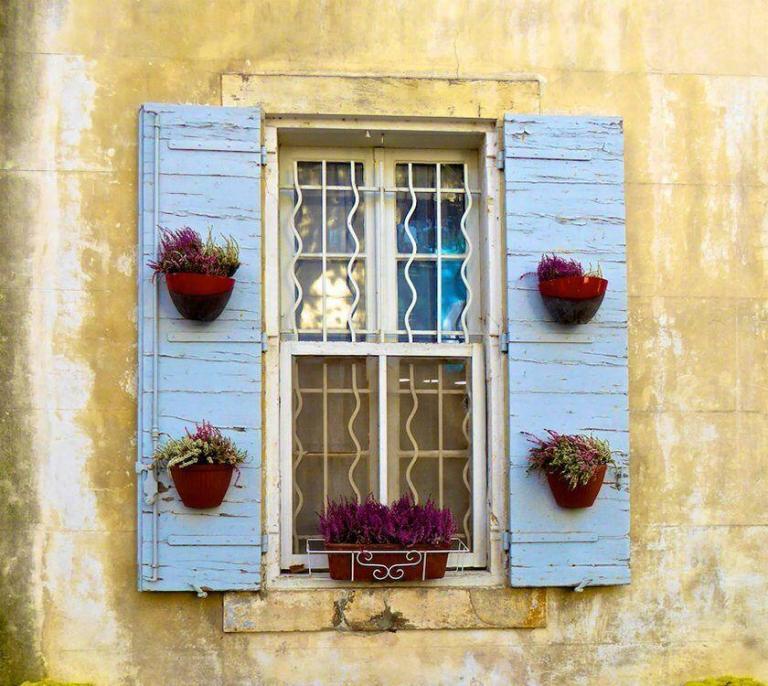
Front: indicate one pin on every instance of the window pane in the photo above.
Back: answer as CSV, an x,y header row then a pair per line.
x,y
339,294
454,295
424,314
337,174
429,433
422,223
334,436
423,175
452,176
309,221
451,212
338,206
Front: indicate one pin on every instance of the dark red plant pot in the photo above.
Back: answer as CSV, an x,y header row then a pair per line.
x,y
374,562
202,486
201,297
581,496
573,299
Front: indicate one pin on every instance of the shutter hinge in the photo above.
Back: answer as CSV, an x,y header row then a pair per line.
x,y
500,158
264,544
264,344
504,342
506,540
149,484
263,155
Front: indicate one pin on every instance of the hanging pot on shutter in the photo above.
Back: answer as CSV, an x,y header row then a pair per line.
x,y
201,297
573,299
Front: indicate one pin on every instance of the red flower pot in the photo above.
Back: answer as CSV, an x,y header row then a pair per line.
x,y
581,496
573,299
201,486
375,563
202,297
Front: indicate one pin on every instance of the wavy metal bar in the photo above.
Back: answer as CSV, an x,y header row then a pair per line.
x,y
411,437
351,263
465,472
468,255
299,244
353,436
407,227
300,455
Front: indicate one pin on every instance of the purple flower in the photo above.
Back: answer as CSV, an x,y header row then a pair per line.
x,y
185,251
575,457
554,267
403,523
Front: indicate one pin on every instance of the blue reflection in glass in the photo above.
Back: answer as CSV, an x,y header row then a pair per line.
x,y
422,224
424,314
454,295
452,209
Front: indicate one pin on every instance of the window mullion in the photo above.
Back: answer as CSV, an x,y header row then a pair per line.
x,y
383,428
438,271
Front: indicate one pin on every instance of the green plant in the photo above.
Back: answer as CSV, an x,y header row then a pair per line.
x,y
574,457
205,446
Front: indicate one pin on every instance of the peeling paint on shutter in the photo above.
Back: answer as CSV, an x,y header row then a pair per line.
x,y
206,174
564,192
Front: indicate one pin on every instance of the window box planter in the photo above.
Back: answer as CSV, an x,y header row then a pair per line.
x,y
385,562
573,299
201,297
579,497
372,541
202,486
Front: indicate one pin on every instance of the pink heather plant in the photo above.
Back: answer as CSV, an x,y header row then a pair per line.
x,y
371,522
574,457
555,267
184,251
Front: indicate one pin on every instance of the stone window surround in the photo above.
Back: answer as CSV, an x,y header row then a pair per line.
x,y
373,608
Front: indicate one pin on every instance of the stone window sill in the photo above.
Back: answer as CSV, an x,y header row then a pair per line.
x,y
371,609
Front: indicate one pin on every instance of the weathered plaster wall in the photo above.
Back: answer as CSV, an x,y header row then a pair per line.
x,y
689,77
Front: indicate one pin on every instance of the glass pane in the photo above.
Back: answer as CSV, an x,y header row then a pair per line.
x,y
424,314
454,295
310,173
338,294
429,432
452,176
422,223
424,175
338,206
451,212
309,221
337,174
334,436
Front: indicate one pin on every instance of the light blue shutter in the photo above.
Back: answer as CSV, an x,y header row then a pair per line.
x,y
564,192
200,167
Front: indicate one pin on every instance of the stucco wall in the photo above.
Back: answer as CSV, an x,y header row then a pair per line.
x,y
690,78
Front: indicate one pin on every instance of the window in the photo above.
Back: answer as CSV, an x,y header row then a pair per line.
x,y
382,364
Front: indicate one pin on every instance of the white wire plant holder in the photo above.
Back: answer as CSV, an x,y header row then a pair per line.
x,y
370,558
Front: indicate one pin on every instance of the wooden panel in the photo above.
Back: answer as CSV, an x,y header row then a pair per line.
x,y
209,177
564,193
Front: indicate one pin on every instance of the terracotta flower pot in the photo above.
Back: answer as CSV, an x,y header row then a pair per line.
x,y
374,562
573,299
201,486
581,496
202,297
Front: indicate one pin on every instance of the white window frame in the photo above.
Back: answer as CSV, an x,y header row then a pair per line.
x,y
487,427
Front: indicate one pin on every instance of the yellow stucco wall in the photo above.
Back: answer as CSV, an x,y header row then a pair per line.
x,y
690,78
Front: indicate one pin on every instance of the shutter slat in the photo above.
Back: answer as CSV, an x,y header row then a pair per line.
x,y
564,193
209,176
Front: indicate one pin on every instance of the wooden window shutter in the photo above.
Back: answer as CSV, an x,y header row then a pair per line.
x,y
564,192
200,167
